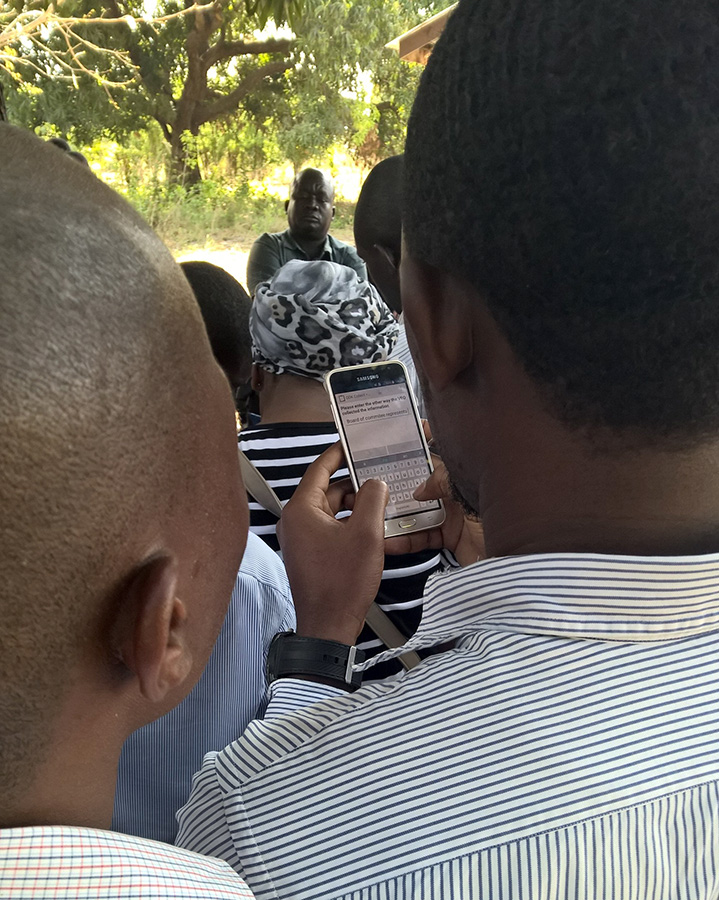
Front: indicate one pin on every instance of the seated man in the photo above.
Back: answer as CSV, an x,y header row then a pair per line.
x,y
345,315
378,236
122,524
310,211
560,285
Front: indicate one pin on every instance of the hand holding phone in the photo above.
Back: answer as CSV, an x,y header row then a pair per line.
x,y
334,565
462,536
381,432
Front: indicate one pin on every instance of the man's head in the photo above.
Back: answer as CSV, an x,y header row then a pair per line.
x,y
378,228
310,209
225,306
561,167
122,520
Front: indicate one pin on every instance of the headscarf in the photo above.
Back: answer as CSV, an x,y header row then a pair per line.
x,y
316,316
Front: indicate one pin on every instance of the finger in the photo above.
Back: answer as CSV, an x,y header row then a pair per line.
x,y
340,495
431,539
318,475
369,507
427,430
436,487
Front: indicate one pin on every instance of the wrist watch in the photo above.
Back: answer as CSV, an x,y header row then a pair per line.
x,y
293,656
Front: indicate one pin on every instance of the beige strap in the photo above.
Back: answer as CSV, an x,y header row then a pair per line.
x,y
390,635
257,487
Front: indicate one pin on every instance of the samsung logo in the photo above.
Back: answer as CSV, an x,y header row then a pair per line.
x,y
366,377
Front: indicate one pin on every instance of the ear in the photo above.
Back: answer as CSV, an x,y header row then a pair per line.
x,y
389,258
152,629
258,378
438,313
287,205
384,268
334,210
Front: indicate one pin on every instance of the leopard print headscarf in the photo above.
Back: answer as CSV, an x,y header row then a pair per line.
x,y
316,316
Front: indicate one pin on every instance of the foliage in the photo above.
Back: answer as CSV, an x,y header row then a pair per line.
x,y
223,93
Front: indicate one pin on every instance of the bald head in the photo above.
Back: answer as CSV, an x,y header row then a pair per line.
x,y
310,209
105,369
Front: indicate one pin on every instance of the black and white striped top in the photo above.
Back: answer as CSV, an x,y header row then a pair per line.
x,y
282,453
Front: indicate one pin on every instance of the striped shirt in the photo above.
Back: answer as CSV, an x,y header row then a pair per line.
x,y
567,748
158,761
62,863
402,353
282,453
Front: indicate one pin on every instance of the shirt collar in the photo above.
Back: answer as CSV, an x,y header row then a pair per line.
x,y
580,596
292,244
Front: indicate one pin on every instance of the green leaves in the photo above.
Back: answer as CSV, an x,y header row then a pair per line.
x,y
281,12
292,97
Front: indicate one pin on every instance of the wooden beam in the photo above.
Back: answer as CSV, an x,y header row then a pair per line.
x,y
416,45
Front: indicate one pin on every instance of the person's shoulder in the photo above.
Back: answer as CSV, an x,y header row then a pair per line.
x,y
80,860
346,255
341,246
270,238
289,431
302,712
263,565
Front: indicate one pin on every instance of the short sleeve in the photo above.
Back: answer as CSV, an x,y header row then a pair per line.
x,y
264,260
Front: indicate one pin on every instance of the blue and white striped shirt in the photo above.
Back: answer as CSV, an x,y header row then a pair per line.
x,y
158,761
402,353
568,747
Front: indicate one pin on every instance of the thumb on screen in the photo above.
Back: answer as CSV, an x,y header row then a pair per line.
x,y
370,503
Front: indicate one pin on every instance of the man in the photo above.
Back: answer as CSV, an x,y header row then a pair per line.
x,y
119,543
225,307
378,228
378,236
559,286
158,761
310,211
330,318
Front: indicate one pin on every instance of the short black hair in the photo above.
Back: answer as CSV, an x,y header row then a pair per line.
x,y
378,214
225,306
59,142
563,156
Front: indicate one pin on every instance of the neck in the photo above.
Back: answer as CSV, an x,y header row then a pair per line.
x,y
556,493
311,246
295,399
74,778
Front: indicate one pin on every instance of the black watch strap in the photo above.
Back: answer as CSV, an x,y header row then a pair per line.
x,y
293,656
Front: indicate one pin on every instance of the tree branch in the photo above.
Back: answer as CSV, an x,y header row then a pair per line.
x,y
231,101
165,128
229,49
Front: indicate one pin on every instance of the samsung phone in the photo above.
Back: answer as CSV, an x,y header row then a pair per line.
x,y
382,436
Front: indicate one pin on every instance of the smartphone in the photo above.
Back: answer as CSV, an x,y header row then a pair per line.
x,y
381,432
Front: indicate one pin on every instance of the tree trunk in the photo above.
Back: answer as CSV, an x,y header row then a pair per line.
x,y
183,164
3,110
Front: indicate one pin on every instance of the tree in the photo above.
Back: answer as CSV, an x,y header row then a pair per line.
x,y
307,86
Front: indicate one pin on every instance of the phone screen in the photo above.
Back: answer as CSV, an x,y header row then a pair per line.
x,y
382,431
